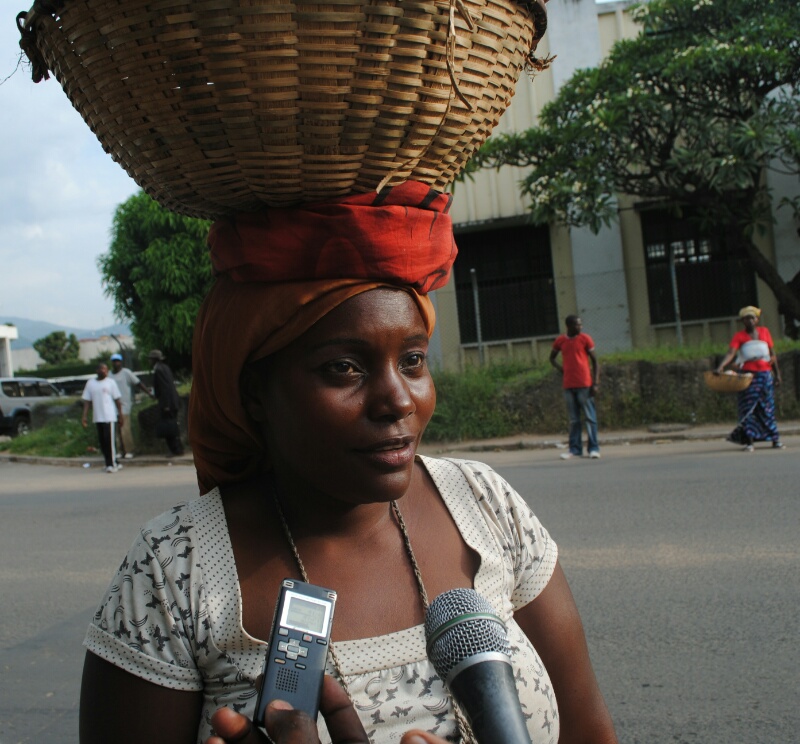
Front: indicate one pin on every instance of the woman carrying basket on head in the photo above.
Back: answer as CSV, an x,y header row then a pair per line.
x,y
311,392
753,351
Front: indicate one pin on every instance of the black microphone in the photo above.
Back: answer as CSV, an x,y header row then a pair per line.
x,y
468,646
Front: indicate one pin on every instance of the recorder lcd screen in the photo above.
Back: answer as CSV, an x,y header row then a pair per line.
x,y
305,614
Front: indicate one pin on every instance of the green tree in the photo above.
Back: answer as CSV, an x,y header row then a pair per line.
x,y
157,271
690,112
57,347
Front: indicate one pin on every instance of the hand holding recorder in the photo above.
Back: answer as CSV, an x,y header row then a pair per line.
x,y
286,725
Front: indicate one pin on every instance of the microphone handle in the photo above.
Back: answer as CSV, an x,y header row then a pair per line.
x,y
488,696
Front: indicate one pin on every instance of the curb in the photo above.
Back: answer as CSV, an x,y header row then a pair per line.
x,y
664,435
96,462
661,435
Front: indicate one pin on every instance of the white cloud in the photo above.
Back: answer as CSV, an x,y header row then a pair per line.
x,y
58,192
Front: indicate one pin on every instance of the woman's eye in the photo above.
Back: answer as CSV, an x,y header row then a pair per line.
x,y
342,367
414,361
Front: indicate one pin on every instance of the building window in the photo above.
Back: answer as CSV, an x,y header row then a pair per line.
x,y
516,291
712,275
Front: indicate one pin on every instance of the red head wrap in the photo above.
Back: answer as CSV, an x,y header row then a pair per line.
x,y
280,272
403,235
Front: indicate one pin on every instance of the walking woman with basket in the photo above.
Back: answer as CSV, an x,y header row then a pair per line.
x,y
754,353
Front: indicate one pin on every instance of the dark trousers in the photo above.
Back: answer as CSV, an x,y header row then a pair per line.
x,y
170,432
105,433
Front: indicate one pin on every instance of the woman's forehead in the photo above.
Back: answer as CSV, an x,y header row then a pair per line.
x,y
380,305
369,314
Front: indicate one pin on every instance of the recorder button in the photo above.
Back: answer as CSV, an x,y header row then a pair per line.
x,y
307,638
283,646
322,642
303,651
300,666
283,631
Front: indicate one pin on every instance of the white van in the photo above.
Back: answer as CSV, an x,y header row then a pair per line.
x,y
18,397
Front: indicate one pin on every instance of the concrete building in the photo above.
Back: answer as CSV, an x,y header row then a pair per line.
x,y
93,347
521,280
90,348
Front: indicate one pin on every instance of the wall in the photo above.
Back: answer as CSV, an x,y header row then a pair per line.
x,y
643,394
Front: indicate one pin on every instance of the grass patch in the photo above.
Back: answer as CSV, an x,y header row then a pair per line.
x,y
57,431
693,352
56,434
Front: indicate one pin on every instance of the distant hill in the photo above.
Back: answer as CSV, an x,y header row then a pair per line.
x,y
32,330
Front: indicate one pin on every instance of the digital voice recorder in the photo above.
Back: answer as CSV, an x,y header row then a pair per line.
x,y
298,647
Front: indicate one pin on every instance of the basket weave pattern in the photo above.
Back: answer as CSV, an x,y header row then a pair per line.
x,y
217,106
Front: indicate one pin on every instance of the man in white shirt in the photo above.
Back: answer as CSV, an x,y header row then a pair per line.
x,y
127,382
102,394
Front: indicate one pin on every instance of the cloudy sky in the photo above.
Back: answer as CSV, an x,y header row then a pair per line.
x,y
58,192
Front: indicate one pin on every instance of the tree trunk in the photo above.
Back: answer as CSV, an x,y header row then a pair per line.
x,y
789,302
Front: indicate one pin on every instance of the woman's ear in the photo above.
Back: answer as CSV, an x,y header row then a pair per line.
x,y
251,385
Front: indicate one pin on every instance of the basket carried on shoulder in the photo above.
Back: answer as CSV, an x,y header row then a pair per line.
x,y
727,382
219,106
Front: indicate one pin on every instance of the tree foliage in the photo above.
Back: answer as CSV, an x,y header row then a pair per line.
x,y
157,271
57,347
689,112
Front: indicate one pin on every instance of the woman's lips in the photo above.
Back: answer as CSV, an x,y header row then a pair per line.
x,y
395,452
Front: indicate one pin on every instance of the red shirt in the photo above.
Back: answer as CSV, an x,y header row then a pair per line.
x,y
575,359
754,365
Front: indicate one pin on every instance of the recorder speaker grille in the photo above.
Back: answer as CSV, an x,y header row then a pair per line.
x,y
286,680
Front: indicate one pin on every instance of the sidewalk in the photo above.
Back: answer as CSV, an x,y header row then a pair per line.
x,y
657,434
95,461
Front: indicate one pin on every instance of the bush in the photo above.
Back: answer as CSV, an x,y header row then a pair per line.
x,y
73,369
468,404
665,387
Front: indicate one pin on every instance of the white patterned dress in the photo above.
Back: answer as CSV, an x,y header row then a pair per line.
x,y
172,614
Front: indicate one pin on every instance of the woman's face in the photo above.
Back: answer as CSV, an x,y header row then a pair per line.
x,y
750,322
343,408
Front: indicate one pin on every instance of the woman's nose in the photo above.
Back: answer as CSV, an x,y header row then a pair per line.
x,y
390,396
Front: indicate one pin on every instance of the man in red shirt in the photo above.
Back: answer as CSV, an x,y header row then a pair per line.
x,y
579,383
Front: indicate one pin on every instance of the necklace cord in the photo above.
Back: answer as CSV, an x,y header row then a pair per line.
x,y
464,729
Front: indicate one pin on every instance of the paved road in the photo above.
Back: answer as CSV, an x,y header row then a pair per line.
x,y
685,563
683,558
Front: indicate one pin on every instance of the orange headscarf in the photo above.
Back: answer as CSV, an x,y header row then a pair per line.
x,y
242,321
238,324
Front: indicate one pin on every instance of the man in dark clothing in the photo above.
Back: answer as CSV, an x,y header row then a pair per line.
x,y
169,402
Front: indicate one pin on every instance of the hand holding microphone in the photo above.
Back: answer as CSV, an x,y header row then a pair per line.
x,y
468,646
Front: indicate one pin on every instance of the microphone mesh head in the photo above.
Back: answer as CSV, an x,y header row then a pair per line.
x,y
467,636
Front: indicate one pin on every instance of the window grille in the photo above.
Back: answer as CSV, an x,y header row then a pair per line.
x,y
713,277
516,290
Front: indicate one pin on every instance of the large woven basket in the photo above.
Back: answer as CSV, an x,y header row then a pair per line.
x,y
728,382
218,106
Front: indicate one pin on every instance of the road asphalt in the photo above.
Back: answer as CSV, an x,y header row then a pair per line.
x,y
657,434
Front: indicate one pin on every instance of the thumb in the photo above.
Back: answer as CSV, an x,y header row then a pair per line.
x,y
232,727
416,736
